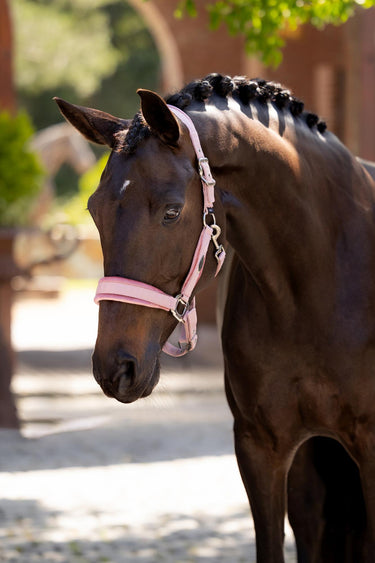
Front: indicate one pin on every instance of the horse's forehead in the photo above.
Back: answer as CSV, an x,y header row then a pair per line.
x,y
154,160
149,170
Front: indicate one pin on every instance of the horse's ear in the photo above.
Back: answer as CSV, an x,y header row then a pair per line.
x,y
97,126
159,117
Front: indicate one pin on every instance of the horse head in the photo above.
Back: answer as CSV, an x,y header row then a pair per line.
x,y
148,211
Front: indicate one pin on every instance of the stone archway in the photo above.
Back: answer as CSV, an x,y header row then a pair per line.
x,y
171,66
188,49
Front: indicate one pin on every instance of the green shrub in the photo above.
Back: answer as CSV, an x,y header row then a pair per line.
x,y
20,170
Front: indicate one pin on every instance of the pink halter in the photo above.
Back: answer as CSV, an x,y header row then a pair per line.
x,y
138,293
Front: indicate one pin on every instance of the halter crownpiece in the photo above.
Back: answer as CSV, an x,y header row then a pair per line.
x,y
181,306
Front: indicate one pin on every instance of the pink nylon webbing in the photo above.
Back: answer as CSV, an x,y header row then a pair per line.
x,y
134,292
208,183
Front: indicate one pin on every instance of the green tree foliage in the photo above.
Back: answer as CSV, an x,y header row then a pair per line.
x,y
20,170
63,42
54,45
88,51
91,52
263,22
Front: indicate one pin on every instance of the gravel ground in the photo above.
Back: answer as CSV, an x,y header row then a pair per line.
x,y
91,480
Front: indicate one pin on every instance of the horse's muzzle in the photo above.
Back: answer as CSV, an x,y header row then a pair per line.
x,y
123,380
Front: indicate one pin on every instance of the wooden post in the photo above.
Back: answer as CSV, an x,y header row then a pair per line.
x,y
7,96
8,269
8,413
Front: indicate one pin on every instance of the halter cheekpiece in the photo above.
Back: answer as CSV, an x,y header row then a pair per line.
x,y
181,306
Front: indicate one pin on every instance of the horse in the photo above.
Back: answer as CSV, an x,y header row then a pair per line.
x,y
294,210
56,145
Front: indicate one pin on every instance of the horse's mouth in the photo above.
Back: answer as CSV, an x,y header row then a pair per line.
x,y
127,384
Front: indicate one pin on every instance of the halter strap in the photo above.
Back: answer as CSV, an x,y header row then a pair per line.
x,y
181,306
208,183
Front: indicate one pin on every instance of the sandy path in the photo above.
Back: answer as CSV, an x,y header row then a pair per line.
x,y
91,480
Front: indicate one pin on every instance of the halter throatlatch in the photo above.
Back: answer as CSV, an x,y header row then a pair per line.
x,y
181,306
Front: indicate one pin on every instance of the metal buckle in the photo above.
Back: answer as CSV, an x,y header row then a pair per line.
x,y
185,304
202,175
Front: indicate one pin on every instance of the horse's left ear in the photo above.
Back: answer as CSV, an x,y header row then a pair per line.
x,y
97,126
159,117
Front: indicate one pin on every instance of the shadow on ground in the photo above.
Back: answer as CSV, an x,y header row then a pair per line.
x,y
173,538
160,434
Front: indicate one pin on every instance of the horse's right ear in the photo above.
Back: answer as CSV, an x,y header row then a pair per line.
x,y
97,126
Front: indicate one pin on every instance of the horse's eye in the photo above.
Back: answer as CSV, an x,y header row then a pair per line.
x,y
172,214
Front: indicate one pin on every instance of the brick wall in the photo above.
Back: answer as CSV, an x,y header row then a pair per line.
x,y
7,98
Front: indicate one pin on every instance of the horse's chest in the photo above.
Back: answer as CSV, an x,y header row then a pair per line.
x,y
293,389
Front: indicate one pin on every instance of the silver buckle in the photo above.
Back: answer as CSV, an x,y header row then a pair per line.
x,y
177,314
202,174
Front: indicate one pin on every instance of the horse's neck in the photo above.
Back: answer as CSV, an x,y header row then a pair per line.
x,y
259,182
251,161
278,203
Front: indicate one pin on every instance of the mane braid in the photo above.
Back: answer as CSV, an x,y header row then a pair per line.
x,y
240,87
129,140
245,91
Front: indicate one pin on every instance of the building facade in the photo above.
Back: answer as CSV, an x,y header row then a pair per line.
x,y
331,70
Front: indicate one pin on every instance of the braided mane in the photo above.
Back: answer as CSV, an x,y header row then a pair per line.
x,y
245,91
239,87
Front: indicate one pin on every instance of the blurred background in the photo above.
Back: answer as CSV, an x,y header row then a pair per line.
x,y
97,53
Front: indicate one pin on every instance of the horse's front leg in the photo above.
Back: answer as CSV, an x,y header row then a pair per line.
x,y
264,473
367,472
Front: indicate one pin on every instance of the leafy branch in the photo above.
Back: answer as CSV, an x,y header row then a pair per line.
x,y
263,23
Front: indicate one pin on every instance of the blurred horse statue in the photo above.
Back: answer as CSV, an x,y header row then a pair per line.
x,y
56,145
295,211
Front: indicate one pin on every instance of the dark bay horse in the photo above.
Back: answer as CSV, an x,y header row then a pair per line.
x,y
296,299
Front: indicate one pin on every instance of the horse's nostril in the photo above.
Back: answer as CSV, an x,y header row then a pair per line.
x,y
123,358
125,373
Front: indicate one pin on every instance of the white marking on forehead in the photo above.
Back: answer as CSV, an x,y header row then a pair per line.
x,y
124,186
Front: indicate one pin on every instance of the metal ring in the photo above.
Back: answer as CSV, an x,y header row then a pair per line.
x,y
213,219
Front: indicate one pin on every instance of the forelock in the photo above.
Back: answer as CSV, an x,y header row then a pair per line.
x,y
128,140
